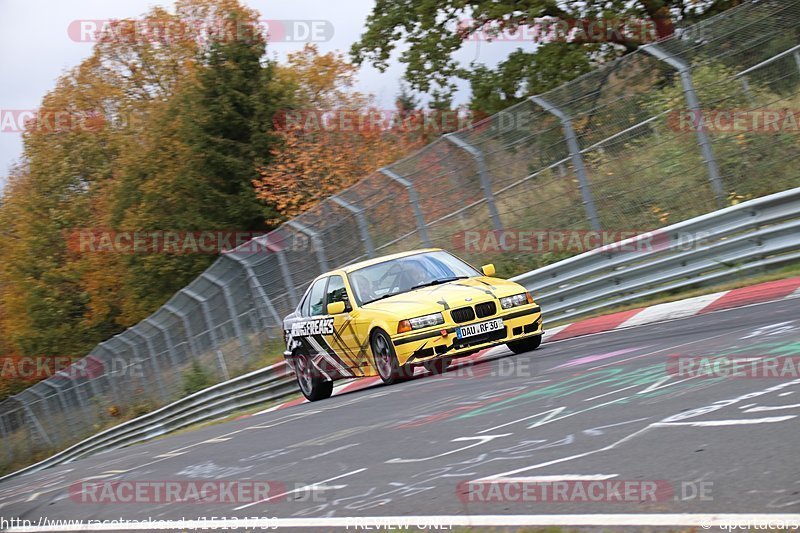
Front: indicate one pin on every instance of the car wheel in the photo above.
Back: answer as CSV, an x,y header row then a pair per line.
x,y
385,359
312,385
525,345
436,366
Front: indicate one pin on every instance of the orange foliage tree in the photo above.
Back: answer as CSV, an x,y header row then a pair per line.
x,y
334,142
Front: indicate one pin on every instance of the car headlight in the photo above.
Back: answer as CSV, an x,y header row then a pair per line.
x,y
420,322
514,301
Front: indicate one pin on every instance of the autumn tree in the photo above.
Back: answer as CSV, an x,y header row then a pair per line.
x,y
330,136
166,132
434,32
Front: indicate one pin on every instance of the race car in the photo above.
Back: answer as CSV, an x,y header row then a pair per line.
x,y
386,316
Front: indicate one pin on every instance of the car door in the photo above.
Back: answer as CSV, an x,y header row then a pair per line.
x,y
345,339
319,333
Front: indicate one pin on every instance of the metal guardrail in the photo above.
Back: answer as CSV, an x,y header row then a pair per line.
x,y
270,383
754,234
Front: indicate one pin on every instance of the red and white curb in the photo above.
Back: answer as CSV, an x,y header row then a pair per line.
x,y
762,292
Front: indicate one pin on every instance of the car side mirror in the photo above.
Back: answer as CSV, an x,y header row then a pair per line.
x,y
336,308
488,270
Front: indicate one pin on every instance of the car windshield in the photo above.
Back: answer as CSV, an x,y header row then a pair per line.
x,y
406,274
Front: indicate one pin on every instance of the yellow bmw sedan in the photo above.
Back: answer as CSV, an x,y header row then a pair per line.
x,y
385,316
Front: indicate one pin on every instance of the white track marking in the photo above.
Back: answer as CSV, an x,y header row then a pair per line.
x,y
552,332
648,354
761,408
596,430
304,488
550,414
550,479
719,423
703,520
340,448
481,440
283,420
614,392
672,310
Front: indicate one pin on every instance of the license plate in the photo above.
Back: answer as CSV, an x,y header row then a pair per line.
x,y
479,328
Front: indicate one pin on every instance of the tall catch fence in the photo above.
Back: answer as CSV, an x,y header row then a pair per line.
x,y
615,150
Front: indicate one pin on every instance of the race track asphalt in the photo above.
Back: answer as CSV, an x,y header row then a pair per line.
x,y
600,407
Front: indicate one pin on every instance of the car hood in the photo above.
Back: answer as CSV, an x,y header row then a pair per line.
x,y
446,296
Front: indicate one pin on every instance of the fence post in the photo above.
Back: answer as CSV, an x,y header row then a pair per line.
x,y
229,303
83,403
61,400
211,331
286,272
694,106
173,357
109,373
362,224
483,173
153,365
187,327
577,159
155,362
91,379
796,55
5,436
32,416
258,292
413,199
316,241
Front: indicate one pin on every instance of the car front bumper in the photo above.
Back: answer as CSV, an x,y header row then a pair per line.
x,y
442,341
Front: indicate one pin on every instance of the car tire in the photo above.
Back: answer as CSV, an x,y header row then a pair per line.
x,y
436,366
313,386
525,345
385,359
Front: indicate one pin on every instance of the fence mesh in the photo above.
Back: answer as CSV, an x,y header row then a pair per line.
x,y
615,149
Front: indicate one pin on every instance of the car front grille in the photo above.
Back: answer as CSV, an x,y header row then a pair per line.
x,y
485,309
462,314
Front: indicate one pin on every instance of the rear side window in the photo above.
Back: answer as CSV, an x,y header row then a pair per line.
x,y
316,298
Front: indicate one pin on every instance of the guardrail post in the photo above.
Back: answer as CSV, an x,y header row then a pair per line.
x,y
315,240
483,173
187,327
229,303
796,55
154,362
259,293
362,224
173,357
577,159
684,70
211,331
153,365
413,199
